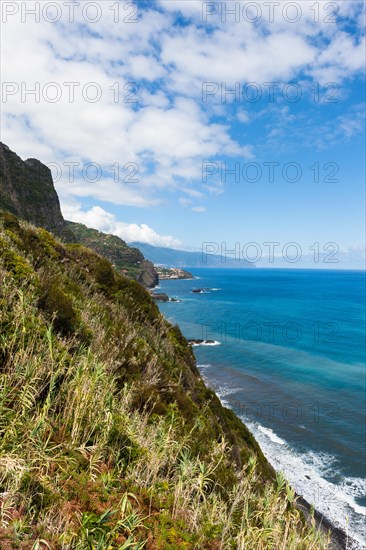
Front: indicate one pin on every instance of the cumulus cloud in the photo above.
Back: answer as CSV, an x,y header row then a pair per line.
x,y
98,218
183,201
243,116
148,70
100,113
344,57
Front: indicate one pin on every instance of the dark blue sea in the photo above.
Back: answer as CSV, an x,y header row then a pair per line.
x,y
288,356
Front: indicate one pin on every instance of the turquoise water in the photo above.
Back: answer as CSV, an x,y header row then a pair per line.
x,y
290,360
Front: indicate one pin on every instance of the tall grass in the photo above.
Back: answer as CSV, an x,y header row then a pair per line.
x,y
97,449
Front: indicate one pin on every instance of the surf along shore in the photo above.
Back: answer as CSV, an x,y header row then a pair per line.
x,y
340,539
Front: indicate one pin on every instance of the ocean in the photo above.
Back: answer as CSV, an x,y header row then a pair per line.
x,y
287,354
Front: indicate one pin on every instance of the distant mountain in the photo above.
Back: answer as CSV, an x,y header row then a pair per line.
x,y
129,261
27,190
170,257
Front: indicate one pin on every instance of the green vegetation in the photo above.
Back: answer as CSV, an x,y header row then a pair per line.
x,y
127,260
109,438
123,257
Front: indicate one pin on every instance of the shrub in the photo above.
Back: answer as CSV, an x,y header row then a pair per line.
x,y
16,264
58,307
104,274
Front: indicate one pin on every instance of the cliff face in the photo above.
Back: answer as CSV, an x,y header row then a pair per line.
x,y
27,190
124,258
148,277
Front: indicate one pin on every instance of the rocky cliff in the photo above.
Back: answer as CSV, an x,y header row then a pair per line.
x,y
148,277
27,190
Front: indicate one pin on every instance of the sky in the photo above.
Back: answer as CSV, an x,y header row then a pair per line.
x,y
181,123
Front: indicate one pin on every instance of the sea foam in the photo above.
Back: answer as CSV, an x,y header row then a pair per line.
x,y
306,472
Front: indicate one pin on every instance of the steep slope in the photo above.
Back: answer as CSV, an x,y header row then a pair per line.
x,y
125,259
27,190
170,257
108,436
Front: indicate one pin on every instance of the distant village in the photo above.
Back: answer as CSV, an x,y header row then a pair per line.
x,y
172,273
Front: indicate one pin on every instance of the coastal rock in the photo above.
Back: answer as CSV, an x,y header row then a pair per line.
x,y
148,276
161,297
201,290
199,342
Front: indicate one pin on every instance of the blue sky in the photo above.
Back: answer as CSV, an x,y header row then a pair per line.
x,y
153,130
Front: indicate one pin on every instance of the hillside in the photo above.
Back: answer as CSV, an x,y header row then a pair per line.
x,y
109,437
170,257
129,261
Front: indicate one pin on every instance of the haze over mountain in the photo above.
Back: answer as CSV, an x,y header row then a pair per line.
x,y
170,257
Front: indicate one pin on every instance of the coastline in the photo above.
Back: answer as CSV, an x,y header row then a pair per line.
x,y
340,539
325,518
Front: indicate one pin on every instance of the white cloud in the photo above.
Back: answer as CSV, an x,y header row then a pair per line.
x,y
199,209
166,138
145,67
104,221
243,116
193,193
184,201
169,131
343,58
200,57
